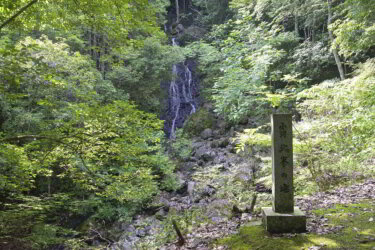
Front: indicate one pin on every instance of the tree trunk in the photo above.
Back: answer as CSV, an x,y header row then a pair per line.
x,y
334,50
177,12
296,26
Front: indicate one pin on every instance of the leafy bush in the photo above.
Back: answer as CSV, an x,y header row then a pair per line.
x,y
73,144
198,122
181,146
336,139
41,222
251,138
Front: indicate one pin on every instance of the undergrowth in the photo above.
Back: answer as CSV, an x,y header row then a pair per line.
x,y
335,140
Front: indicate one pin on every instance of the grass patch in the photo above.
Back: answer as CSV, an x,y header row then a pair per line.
x,y
358,232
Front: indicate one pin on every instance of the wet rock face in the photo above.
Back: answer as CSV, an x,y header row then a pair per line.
x,y
182,95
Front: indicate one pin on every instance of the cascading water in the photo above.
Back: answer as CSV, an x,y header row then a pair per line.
x,y
182,96
174,96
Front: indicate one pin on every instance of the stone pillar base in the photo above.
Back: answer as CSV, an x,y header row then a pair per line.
x,y
284,223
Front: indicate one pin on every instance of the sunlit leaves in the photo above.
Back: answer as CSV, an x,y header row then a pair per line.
x,y
113,144
246,69
145,68
355,32
114,18
17,171
134,187
80,135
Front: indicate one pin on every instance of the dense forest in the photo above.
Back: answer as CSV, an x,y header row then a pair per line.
x,y
124,122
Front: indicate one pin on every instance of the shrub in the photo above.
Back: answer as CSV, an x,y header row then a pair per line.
x,y
199,121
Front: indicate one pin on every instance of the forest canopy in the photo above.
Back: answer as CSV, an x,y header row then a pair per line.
x,y
84,85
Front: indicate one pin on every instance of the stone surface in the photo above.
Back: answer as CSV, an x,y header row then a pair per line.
x,y
205,153
223,143
283,217
282,163
284,222
207,133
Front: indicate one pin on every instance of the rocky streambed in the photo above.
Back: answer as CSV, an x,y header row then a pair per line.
x,y
212,180
217,189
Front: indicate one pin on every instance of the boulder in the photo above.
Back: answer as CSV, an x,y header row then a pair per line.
x,y
205,154
223,143
180,28
215,144
207,133
161,214
217,133
209,156
123,245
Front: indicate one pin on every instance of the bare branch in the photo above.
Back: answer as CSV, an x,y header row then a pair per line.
x,y
23,9
25,137
181,239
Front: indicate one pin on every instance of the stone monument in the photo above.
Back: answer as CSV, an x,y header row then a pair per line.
x,y
283,216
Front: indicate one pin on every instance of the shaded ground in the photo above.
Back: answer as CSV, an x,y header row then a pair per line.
x,y
215,179
339,219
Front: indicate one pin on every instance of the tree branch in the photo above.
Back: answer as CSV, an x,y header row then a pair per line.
x,y
109,241
24,137
181,239
23,9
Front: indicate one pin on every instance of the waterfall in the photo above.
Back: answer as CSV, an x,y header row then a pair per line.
x,y
181,97
189,96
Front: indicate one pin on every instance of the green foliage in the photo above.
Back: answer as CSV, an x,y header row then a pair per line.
x,y
355,32
209,58
29,218
336,139
211,12
55,76
17,172
181,147
198,122
145,68
248,71
251,138
249,60
71,139
110,154
122,16
311,59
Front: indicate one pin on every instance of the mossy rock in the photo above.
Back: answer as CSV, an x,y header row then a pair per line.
x,y
355,220
198,122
